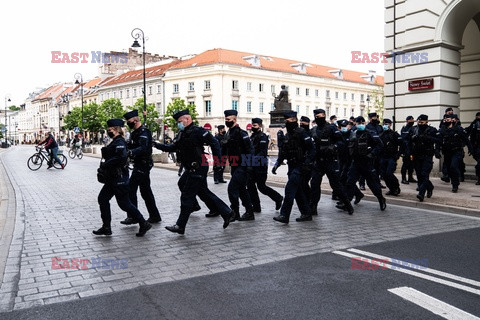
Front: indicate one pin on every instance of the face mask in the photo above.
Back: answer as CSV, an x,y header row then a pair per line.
x,y
305,126
291,125
409,124
320,121
344,129
374,122
385,127
131,124
110,134
229,124
255,130
422,126
360,127
180,126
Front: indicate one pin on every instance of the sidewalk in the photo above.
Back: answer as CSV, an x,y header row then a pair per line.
x,y
466,201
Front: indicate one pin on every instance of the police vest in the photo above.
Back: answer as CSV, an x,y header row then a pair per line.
x,y
390,143
423,144
234,142
358,145
293,147
452,140
323,142
190,147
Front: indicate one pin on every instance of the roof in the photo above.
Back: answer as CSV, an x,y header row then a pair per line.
x,y
266,62
50,93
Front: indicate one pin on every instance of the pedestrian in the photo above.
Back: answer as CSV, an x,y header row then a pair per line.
x,y
389,155
259,170
220,136
190,144
297,148
51,147
473,132
407,163
140,153
115,177
238,148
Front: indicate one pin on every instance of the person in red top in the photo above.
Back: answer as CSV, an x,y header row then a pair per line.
x,y
52,147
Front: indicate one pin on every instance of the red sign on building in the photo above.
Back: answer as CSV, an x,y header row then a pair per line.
x,y
207,126
421,84
249,126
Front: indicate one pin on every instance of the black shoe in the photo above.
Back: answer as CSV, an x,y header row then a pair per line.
x,y
154,220
397,192
304,217
197,208
281,219
420,197
382,186
103,231
335,198
313,210
259,210
143,229
477,183
349,208
417,189
445,179
235,216
223,181
358,198
341,206
212,214
411,179
389,193
175,229
454,189
129,221
49,166
226,218
247,217
362,188
383,203
429,193
462,179
216,182
278,204
405,181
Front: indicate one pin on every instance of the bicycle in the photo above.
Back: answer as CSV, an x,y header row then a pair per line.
x,y
75,152
35,162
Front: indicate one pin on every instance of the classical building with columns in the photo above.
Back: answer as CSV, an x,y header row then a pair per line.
x,y
434,58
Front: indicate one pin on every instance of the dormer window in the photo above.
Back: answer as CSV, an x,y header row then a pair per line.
x,y
370,77
300,67
337,73
253,60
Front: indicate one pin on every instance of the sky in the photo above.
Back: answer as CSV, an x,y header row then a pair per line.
x,y
319,32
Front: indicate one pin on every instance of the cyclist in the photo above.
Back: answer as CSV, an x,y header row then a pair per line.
x,y
76,143
52,147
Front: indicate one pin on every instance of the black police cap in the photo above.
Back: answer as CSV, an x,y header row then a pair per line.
x,y
317,111
409,118
220,127
305,119
422,117
131,114
387,121
359,119
180,113
342,123
230,113
289,114
115,123
372,114
257,120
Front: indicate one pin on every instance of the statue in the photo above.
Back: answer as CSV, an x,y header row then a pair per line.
x,y
281,102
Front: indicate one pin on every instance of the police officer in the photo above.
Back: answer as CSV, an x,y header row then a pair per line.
x,y
258,172
388,157
239,151
452,139
407,163
140,152
115,173
473,132
193,182
327,140
421,145
364,146
307,172
218,174
299,152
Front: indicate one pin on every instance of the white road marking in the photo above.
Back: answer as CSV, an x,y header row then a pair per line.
x,y
432,304
419,275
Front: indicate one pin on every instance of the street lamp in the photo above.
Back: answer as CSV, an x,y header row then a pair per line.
x,y
368,102
78,76
7,99
136,34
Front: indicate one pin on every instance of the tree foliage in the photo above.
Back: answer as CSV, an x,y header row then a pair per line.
x,y
14,108
377,103
175,106
152,115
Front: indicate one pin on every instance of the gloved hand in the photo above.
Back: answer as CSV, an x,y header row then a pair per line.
x,y
274,169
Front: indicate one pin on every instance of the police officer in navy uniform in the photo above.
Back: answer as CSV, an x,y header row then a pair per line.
x,y
389,155
364,146
473,132
140,152
452,139
327,140
220,136
115,169
259,170
239,150
193,182
307,172
421,145
407,163
298,150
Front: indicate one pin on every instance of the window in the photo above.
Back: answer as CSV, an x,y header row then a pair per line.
x,y
191,103
108,95
121,94
234,104
150,90
336,111
249,86
298,91
272,107
207,84
362,96
316,92
128,93
260,107
272,88
208,108
235,84
134,93
344,96
307,92
298,109
101,97
175,88
353,96
344,112
307,110
327,94
336,94
249,106
260,87
114,94
353,112
191,86
159,88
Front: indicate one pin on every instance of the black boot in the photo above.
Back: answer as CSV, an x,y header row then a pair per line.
x,y
383,203
235,216
103,231
144,227
247,216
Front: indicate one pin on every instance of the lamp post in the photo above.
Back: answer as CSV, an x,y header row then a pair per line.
x,y
368,103
7,99
78,76
136,34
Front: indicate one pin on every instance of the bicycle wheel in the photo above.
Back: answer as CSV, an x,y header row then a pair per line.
x,y
80,154
71,154
63,159
35,162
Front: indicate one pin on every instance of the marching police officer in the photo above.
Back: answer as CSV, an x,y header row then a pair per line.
x,y
364,146
220,136
473,132
407,163
298,150
140,152
239,150
421,145
307,172
327,140
388,157
452,139
193,182
259,170
116,182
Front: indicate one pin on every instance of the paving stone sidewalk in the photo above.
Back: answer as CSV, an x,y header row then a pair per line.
x,y
56,210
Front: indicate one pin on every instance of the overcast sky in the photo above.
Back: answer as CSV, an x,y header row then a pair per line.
x,y
320,32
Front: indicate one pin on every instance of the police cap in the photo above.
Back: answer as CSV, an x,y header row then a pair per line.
x,y
180,113
257,120
230,113
342,123
387,121
131,114
317,111
422,117
220,127
289,114
115,123
372,114
359,119
305,119
409,118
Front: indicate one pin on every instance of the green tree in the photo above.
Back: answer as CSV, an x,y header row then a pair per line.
x,y
14,108
152,115
73,118
1,130
175,106
94,117
377,103
113,108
